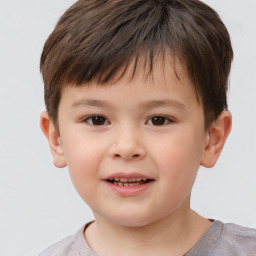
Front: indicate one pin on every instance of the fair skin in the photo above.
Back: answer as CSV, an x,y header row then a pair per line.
x,y
151,134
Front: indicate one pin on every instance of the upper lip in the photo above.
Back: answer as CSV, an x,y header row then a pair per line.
x,y
123,175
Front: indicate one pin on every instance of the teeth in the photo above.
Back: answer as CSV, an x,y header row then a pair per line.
x,y
124,180
140,179
128,182
134,184
132,180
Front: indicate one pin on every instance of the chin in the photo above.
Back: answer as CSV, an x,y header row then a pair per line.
x,y
133,220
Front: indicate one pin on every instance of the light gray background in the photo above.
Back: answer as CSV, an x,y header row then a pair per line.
x,y
38,204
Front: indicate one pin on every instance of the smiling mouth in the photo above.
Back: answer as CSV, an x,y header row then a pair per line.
x,y
129,182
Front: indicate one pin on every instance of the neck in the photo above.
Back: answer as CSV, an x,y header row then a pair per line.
x,y
172,235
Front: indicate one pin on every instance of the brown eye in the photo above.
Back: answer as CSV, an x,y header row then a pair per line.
x,y
97,120
158,120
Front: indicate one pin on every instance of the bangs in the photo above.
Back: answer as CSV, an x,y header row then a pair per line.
x,y
111,71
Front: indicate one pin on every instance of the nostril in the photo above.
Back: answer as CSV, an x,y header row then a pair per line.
x,y
134,156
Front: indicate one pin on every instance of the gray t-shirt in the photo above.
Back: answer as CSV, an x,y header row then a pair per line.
x,y
219,240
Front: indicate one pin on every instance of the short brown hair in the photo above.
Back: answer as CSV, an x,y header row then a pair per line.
x,y
95,39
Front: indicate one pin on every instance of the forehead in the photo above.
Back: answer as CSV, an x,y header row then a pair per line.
x,y
166,79
148,71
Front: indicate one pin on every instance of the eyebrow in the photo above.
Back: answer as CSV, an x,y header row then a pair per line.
x,y
90,102
160,103
145,105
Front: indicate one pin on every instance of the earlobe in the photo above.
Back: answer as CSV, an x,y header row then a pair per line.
x,y
216,139
54,140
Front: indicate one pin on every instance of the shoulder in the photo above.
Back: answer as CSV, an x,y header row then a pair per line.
x,y
226,239
72,245
65,246
239,239
234,240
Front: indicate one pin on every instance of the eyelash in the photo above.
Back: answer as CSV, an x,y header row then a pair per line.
x,y
103,121
96,116
164,118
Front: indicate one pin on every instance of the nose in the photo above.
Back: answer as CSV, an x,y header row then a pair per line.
x,y
127,144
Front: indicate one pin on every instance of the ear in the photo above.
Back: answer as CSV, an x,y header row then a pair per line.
x,y
216,139
52,135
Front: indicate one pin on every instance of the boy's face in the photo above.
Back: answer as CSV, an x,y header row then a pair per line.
x,y
135,130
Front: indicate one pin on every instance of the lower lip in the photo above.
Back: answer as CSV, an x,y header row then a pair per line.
x,y
129,190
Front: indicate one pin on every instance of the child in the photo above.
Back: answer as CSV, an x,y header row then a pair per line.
x,y
135,93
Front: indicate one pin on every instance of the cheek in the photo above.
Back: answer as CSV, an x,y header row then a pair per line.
x,y
83,151
83,158
178,160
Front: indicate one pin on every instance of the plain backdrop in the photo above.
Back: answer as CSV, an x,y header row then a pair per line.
x,y
38,204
